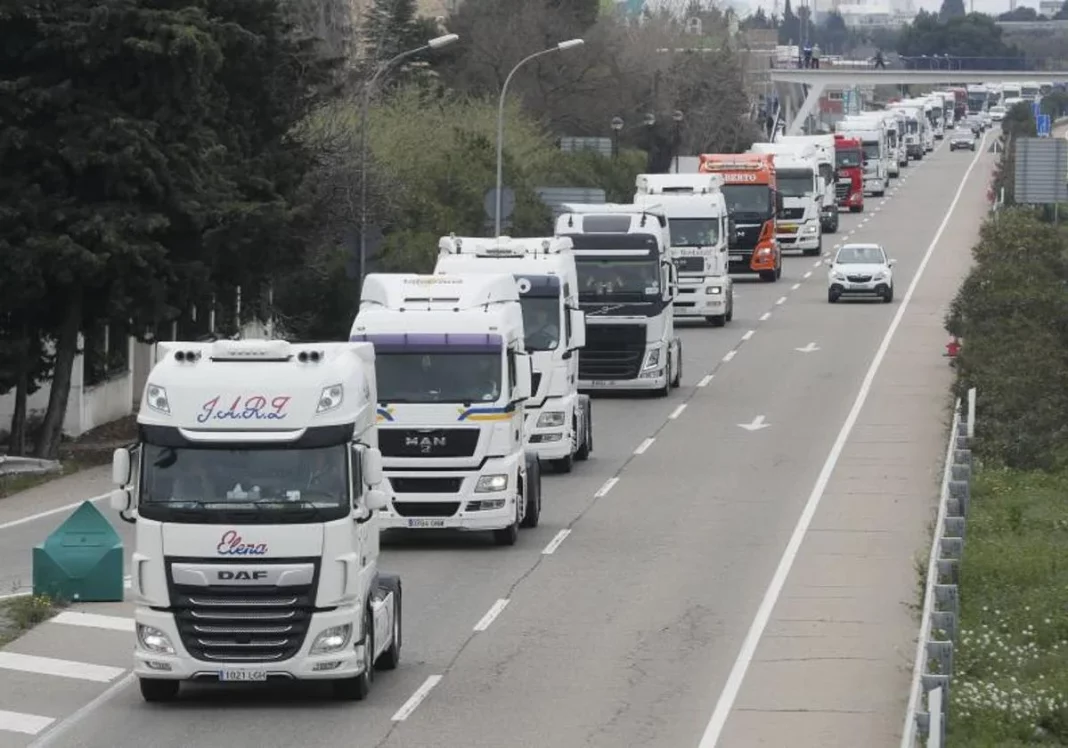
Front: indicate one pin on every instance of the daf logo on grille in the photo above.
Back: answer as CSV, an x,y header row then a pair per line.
x,y
425,443
242,576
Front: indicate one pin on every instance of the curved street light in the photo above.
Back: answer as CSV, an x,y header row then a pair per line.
x,y
436,43
498,201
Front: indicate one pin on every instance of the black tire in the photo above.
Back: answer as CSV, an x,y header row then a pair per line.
x,y
730,307
677,381
389,659
768,276
718,320
889,295
509,535
358,688
159,691
880,193
832,297
586,447
533,494
563,465
856,208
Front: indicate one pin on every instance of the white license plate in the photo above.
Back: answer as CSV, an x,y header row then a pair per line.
x,y
601,383
242,676
425,523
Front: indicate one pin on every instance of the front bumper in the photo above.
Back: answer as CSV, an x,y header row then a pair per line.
x,y
343,663
750,261
798,241
871,288
452,503
654,379
698,301
874,184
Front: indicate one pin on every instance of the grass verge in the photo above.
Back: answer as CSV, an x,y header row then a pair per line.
x,y
20,614
13,484
1010,685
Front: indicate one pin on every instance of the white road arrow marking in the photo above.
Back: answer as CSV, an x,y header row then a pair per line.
x,y
808,348
756,425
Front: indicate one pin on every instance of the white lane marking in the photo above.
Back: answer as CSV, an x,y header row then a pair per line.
x,y
61,668
677,412
50,512
808,348
795,286
755,425
771,596
729,356
641,449
817,263
748,334
808,274
781,301
491,615
555,543
27,724
417,698
608,485
68,722
94,621
705,380
765,316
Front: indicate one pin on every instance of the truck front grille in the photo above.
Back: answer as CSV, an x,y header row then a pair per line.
x,y
447,442
426,508
425,485
690,264
841,190
793,214
612,352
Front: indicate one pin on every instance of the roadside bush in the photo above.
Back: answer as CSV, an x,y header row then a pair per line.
x,y
1012,314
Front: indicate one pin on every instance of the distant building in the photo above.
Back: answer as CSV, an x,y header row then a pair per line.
x,y
1049,8
867,14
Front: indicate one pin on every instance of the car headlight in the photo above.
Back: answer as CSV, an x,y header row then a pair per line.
x,y
551,419
491,483
837,276
332,639
652,359
154,640
330,398
714,290
879,276
156,399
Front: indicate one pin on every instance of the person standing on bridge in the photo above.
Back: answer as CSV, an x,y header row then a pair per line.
x,y
816,55
880,61
807,52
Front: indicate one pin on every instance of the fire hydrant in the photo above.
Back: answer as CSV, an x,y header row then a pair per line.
x,y
953,348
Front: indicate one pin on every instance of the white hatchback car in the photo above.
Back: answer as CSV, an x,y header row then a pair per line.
x,y
861,270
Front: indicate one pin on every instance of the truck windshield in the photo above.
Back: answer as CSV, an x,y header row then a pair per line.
x,y
261,479
438,377
541,322
913,127
795,182
871,151
847,159
618,278
694,232
751,201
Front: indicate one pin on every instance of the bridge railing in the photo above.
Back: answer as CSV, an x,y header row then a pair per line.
x,y
938,62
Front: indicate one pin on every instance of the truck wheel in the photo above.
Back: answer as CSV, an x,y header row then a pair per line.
x,y
564,464
509,535
856,208
157,691
533,494
357,689
586,447
717,321
389,659
768,276
678,368
730,306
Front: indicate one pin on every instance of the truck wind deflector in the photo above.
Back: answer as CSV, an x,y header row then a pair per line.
x,y
432,342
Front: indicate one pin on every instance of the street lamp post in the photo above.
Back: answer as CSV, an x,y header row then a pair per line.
x,y
617,126
649,120
436,43
677,116
498,200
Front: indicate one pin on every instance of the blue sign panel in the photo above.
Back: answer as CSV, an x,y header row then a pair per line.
x,y
1044,125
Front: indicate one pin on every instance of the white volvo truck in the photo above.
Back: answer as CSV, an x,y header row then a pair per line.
x,y
824,155
453,380
797,179
698,224
254,494
559,420
627,286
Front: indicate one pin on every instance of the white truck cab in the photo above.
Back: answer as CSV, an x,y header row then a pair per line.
x,y
873,137
254,492
559,421
698,223
454,377
627,288
916,129
798,180
823,154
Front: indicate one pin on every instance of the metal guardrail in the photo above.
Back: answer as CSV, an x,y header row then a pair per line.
x,y
21,465
929,691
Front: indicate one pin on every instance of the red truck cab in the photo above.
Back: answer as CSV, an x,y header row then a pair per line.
x,y
849,173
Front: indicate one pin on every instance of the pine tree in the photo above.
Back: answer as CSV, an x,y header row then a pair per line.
x,y
392,27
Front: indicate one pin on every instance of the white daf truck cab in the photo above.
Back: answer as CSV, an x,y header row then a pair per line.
x,y
797,178
824,155
698,224
254,491
872,135
453,381
627,288
559,420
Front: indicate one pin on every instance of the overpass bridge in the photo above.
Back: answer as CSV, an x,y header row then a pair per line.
x,y
814,82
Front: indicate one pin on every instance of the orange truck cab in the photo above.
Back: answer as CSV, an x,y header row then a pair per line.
x,y
753,202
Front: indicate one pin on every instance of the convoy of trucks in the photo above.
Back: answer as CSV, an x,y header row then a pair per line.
x,y
265,470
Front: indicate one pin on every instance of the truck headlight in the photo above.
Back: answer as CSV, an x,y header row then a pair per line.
x,y
714,290
813,229
154,640
330,398
652,359
332,639
551,419
156,399
491,483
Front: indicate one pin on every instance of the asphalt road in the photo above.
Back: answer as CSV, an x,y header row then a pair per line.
x,y
622,633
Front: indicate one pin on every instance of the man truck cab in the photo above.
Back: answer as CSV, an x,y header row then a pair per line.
x,y
454,377
559,421
254,490
797,178
627,288
824,156
698,225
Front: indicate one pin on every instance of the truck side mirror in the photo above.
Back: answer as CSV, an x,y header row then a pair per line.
x,y
522,378
119,499
578,328
376,500
371,465
120,467
778,203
